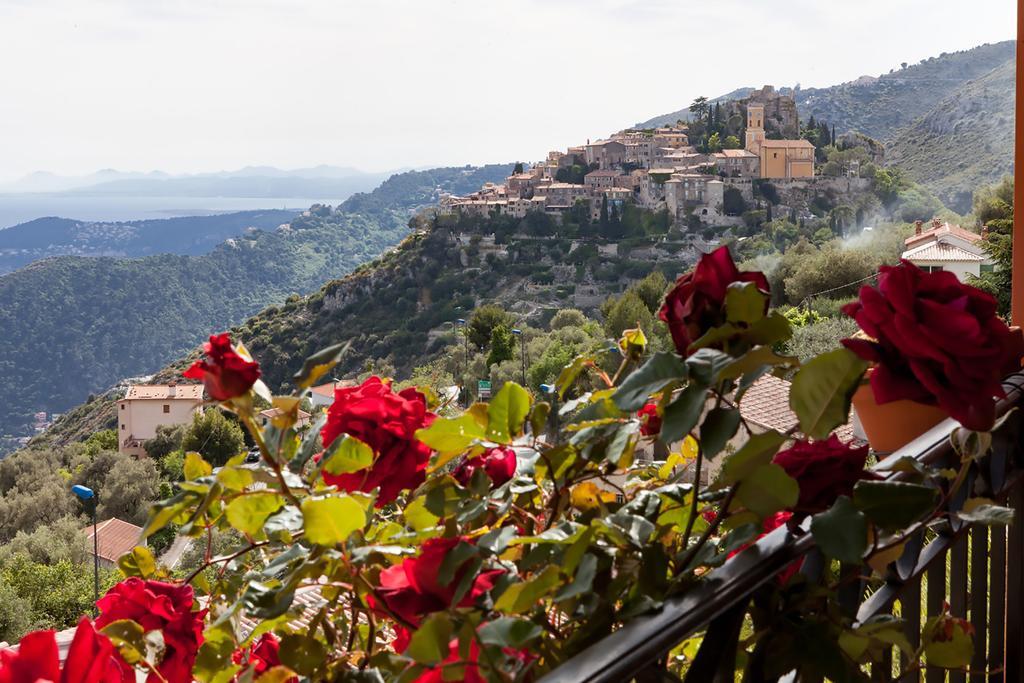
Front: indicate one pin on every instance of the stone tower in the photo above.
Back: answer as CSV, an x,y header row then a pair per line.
x,y
755,127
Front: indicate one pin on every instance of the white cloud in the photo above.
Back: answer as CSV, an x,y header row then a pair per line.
x,y
201,85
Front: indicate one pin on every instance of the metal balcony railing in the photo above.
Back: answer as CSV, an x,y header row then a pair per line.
x,y
977,570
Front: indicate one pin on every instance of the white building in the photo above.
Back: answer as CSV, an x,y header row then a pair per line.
x,y
947,247
148,406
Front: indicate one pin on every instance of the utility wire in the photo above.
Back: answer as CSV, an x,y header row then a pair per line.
x,y
826,291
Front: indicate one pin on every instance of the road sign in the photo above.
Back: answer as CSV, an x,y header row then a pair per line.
x,y
483,389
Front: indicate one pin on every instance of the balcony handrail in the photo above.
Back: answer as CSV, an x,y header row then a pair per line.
x,y
647,639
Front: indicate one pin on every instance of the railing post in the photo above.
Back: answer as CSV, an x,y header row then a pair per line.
x,y
1014,640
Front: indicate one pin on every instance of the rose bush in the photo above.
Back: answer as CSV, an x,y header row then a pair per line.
x,y
387,422
226,373
934,340
496,544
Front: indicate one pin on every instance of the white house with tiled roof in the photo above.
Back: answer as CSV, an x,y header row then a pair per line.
x,y
148,406
947,247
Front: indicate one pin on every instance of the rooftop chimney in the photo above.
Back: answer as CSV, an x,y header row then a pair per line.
x,y
984,231
172,389
936,223
917,227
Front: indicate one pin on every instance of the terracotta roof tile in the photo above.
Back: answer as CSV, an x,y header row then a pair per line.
x,y
766,404
163,392
115,538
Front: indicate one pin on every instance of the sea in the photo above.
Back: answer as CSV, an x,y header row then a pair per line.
x,y
20,208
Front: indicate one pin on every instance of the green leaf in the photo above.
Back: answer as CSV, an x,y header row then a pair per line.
x,y
329,521
429,643
195,467
521,597
451,436
947,646
128,637
757,451
506,413
744,303
584,580
682,414
705,365
567,377
247,513
988,515
509,632
213,662
496,540
771,329
659,370
539,416
318,365
718,428
841,532
347,454
418,516
139,562
767,490
302,654
755,359
822,390
893,505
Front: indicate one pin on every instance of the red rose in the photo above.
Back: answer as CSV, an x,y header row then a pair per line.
x,y
470,672
263,654
226,374
697,302
411,590
164,607
387,423
650,421
91,658
499,464
937,342
824,470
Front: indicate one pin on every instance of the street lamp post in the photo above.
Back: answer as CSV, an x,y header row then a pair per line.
x,y
522,351
465,334
87,494
552,391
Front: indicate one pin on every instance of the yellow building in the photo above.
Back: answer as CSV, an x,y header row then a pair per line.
x,y
779,158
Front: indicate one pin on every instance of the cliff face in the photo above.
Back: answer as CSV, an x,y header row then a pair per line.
x,y
965,141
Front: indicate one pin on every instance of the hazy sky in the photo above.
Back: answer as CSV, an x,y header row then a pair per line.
x,y
201,85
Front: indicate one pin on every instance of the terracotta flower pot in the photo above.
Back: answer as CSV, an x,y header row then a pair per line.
x,y
891,426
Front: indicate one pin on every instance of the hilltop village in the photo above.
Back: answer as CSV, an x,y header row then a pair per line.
x,y
661,168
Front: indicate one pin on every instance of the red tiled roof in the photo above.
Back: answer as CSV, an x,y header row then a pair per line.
x,y
943,229
766,404
115,538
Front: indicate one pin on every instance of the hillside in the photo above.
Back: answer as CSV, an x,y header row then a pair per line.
x,y
881,106
46,237
963,143
65,340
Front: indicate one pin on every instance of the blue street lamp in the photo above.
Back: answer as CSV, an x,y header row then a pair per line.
x,y
87,494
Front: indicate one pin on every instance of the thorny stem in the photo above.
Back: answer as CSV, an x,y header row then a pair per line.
x,y
691,520
712,528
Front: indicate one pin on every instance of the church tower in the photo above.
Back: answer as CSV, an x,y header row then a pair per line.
x,y
755,127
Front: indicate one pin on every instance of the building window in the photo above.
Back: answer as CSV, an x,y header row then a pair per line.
x,y
167,407
122,426
122,406
987,267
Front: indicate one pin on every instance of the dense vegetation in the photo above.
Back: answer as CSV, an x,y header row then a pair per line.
x,y
45,237
45,560
75,325
67,340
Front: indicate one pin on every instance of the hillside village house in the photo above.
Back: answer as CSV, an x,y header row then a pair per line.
x,y
148,406
654,168
781,159
114,538
947,247
322,395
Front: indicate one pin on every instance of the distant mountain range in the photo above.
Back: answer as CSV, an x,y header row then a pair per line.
x,y
251,181
75,325
46,237
948,120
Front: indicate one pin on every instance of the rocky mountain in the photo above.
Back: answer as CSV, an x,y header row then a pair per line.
x,y
947,120
46,237
64,340
964,142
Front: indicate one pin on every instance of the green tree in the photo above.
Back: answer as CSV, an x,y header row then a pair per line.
x,y
213,435
482,323
731,142
732,202
715,143
518,168
626,312
503,344
567,317
16,614
700,107
168,438
651,290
